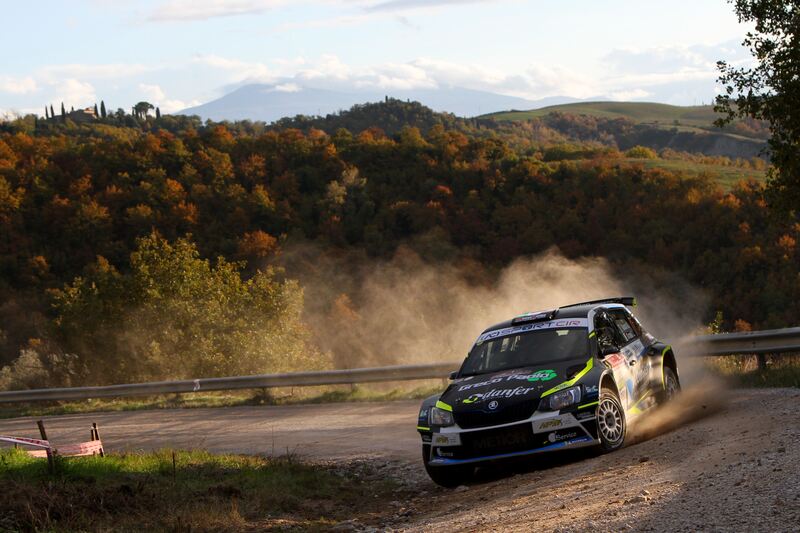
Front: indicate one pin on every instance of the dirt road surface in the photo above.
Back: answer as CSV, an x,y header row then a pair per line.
x,y
715,461
333,431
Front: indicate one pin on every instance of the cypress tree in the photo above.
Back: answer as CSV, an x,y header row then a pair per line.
x,y
96,113
72,109
158,113
46,112
63,113
52,115
102,109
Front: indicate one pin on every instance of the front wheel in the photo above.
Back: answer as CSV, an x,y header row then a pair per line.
x,y
611,425
446,476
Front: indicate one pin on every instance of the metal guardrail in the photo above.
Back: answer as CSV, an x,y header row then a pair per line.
x,y
771,341
295,379
775,341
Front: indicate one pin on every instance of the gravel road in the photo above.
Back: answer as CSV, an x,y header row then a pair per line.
x,y
703,464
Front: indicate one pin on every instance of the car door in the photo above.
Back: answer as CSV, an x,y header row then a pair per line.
x,y
633,350
611,342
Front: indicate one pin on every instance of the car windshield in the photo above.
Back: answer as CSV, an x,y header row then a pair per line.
x,y
533,348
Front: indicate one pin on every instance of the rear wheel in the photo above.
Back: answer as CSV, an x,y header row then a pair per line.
x,y
671,386
446,476
611,426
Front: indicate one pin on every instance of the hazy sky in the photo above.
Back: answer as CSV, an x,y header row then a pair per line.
x,y
176,53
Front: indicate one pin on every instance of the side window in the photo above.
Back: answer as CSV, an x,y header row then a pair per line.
x,y
608,333
637,327
623,324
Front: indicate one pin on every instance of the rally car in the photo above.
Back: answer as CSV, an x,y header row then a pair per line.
x,y
565,378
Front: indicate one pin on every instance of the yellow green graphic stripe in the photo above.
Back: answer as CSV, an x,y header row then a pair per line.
x,y
590,404
423,428
571,382
441,405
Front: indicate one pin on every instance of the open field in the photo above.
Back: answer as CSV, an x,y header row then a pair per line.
x,y
639,112
726,176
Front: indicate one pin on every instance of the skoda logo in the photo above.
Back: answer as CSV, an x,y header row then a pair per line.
x,y
493,405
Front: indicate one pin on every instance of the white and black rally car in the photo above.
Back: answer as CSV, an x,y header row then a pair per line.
x,y
552,380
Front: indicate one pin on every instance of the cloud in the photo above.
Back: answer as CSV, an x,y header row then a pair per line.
x,y
18,85
394,6
156,96
152,92
240,70
186,10
75,93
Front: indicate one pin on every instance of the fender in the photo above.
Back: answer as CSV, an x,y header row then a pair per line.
x,y
423,425
658,352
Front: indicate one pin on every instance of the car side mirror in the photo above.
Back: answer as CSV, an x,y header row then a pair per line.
x,y
608,350
453,374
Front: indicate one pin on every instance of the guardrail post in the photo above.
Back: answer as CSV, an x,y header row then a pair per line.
x,y
43,433
762,361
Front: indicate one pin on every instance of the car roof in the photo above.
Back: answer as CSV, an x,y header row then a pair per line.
x,y
575,311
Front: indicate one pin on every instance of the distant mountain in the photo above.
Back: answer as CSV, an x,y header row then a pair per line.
x,y
273,102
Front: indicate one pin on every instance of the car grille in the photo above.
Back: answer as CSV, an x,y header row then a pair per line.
x,y
496,441
505,415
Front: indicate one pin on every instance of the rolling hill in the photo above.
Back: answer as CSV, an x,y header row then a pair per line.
x,y
638,112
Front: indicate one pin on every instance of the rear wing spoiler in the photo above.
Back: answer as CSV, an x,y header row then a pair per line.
x,y
629,301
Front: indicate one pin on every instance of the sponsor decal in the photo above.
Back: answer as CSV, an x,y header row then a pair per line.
x,y
446,439
550,424
497,393
493,405
542,375
558,437
539,375
634,349
423,413
584,415
615,360
591,389
524,328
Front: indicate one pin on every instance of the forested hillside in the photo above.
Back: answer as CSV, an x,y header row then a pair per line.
x,y
130,220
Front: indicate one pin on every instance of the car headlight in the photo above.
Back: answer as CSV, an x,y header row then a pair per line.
x,y
564,398
440,417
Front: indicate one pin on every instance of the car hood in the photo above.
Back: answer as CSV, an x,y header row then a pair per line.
x,y
500,390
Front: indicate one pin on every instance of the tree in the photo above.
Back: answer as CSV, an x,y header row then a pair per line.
x,y
102,109
770,90
63,112
46,112
141,109
96,113
158,113
52,114
175,315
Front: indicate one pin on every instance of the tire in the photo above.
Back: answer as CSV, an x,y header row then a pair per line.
x,y
446,476
671,386
611,424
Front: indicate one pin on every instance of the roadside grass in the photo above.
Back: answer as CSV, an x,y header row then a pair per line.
x,y
371,392
781,371
182,491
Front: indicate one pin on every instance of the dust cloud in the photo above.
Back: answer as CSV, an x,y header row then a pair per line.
x,y
407,310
